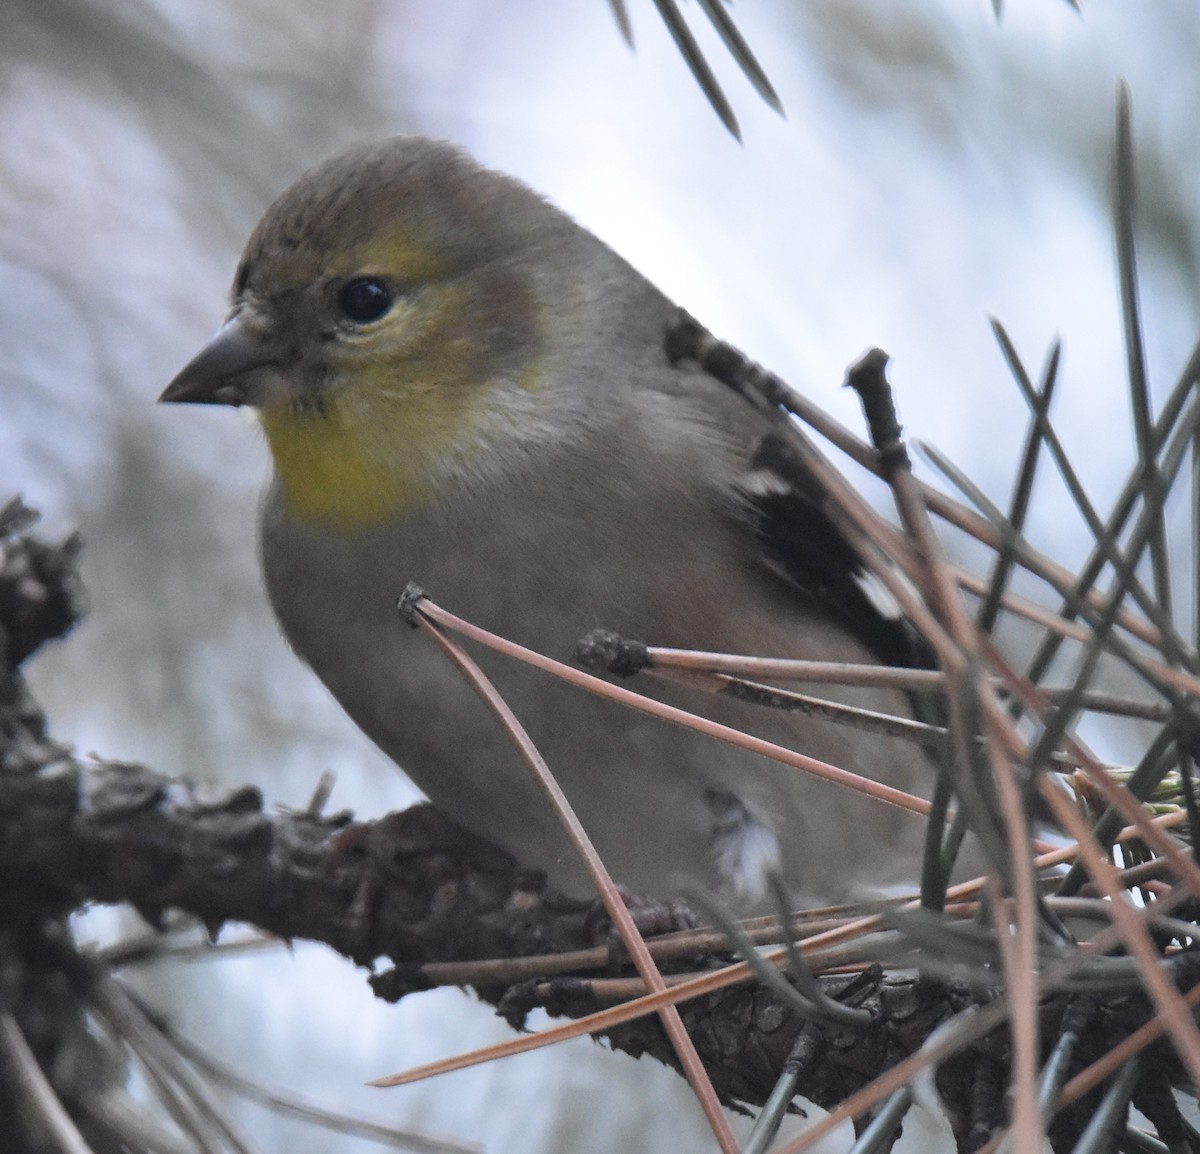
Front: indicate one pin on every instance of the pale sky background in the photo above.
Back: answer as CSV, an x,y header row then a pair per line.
x,y
935,167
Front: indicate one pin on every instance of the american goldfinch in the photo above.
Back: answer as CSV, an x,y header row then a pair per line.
x,y
462,387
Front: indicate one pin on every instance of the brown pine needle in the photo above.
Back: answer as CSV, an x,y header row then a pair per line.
x,y
650,706
876,676
709,983
614,903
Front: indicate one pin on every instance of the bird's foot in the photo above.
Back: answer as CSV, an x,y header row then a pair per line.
x,y
652,916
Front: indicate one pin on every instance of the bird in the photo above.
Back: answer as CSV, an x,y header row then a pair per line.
x,y
462,387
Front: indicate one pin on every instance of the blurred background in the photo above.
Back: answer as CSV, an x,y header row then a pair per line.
x,y
936,166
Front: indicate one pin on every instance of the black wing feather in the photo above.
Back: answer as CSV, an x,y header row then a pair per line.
x,y
802,541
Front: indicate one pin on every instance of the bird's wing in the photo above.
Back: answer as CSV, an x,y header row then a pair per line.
x,y
796,535
778,500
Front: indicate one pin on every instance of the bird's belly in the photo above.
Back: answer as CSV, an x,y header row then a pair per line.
x,y
638,784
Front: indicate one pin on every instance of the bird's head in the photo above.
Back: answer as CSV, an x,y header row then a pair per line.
x,y
389,311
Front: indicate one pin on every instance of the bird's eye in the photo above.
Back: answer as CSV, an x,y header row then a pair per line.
x,y
365,299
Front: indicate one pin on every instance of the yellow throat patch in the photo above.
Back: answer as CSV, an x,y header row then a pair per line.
x,y
330,470
383,448
410,403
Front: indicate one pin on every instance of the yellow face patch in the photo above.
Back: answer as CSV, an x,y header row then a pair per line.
x,y
328,473
396,408
407,397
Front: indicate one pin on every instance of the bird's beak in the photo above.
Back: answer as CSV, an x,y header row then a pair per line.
x,y
229,370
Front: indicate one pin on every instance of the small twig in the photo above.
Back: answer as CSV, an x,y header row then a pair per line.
x,y
320,794
868,379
